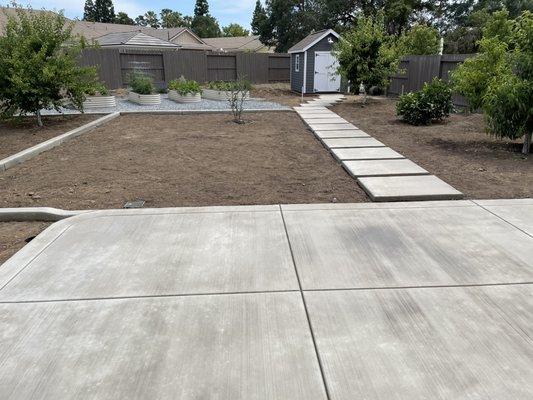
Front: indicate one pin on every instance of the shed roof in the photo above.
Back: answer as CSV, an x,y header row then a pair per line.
x,y
133,39
312,39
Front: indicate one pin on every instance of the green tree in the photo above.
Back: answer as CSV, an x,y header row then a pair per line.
x,y
499,80
151,19
234,30
201,8
420,40
104,11
123,19
89,12
259,18
205,26
141,21
171,19
367,54
39,65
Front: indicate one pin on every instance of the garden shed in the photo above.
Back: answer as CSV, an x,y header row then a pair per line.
x,y
313,66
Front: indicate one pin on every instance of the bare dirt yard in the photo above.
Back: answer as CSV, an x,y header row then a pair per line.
x,y
279,93
183,160
20,134
458,150
15,235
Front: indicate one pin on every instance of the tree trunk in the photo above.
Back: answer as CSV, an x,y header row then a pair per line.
x,y
527,143
39,119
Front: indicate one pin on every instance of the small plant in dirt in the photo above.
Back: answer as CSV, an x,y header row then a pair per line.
x,y
39,65
432,103
237,96
141,83
184,86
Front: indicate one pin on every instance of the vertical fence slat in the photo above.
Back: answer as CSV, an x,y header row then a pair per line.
x,y
115,64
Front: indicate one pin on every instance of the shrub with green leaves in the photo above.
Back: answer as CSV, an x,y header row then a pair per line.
x,y
229,86
184,86
98,89
141,83
39,65
420,40
432,103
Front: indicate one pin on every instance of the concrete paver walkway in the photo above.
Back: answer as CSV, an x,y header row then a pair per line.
x,y
409,301
382,179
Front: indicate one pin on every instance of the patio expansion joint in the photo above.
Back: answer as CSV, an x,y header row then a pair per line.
x,y
504,220
310,325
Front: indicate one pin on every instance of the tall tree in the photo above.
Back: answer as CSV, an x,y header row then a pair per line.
x,y
123,19
234,30
171,19
140,21
151,19
259,18
89,12
205,26
104,11
201,8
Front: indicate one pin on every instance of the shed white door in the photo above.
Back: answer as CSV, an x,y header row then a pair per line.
x,y
326,77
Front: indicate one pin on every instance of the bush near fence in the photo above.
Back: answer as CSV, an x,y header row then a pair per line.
x,y
417,70
115,65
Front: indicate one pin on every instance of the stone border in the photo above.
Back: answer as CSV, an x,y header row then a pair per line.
x,y
31,152
46,214
211,111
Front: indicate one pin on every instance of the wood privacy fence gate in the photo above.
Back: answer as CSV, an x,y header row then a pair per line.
x,y
416,70
115,65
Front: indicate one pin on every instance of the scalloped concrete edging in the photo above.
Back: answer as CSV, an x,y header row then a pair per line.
x,y
31,152
46,214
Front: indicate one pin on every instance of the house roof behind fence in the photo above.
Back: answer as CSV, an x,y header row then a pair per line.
x,y
133,39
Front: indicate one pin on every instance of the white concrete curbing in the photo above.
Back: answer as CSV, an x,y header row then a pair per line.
x,y
47,214
31,152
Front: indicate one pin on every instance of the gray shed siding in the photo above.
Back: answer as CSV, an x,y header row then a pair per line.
x,y
297,77
322,45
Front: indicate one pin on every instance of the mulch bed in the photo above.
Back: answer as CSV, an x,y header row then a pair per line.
x,y
457,151
187,160
15,235
22,133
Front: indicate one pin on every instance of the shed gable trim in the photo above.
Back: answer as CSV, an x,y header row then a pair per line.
x,y
318,39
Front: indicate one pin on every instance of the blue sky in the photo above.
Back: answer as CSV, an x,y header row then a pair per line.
x,y
226,11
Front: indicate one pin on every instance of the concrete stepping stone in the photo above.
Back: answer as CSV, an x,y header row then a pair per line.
x,y
352,142
332,127
326,120
365,153
408,188
349,133
361,168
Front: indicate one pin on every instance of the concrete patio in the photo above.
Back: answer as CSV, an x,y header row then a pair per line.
x,y
420,300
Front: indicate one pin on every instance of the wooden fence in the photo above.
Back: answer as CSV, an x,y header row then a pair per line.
x,y
115,65
416,70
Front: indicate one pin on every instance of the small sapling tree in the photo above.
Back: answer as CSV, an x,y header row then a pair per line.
x,y
39,65
237,92
367,54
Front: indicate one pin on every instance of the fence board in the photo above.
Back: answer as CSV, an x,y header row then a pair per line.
x,y
115,64
417,70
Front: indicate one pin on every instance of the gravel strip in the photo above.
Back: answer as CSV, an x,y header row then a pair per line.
x,y
169,105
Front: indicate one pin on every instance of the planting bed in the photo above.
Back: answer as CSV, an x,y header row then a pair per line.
x,y
13,236
24,133
183,160
457,151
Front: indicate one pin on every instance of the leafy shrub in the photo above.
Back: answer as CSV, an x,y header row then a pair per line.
x,y
98,90
184,86
236,98
420,40
39,64
141,83
229,86
432,103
